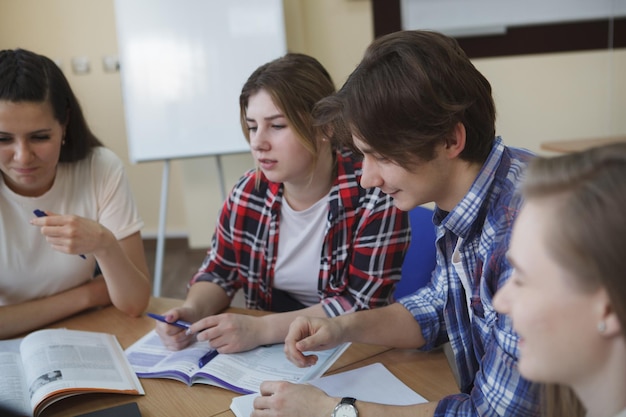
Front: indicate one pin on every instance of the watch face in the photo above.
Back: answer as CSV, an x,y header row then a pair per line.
x,y
345,410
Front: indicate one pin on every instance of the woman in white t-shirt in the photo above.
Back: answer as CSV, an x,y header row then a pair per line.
x,y
566,295
85,249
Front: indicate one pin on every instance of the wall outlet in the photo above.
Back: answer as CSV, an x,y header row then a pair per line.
x,y
110,63
80,65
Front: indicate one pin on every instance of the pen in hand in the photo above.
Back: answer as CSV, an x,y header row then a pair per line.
x,y
40,213
178,323
206,358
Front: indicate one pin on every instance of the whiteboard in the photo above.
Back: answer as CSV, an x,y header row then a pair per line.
x,y
483,17
182,66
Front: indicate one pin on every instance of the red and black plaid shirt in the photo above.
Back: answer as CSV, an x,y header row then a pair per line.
x,y
364,244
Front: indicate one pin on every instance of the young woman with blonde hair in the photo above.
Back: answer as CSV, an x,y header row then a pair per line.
x,y
567,294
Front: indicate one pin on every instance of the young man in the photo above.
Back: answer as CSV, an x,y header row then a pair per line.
x,y
424,119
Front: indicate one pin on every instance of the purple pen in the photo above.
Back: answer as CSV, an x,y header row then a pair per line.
x,y
207,357
178,323
40,213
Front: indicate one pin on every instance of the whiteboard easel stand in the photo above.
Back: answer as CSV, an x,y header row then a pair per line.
x,y
220,176
160,248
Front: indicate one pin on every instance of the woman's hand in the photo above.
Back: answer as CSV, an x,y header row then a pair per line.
x,y
174,337
73,234
229,332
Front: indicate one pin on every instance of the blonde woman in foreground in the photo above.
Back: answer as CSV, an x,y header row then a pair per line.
x,y
566,296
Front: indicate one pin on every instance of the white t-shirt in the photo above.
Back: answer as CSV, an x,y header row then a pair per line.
x,y
95,188
458,266
300,240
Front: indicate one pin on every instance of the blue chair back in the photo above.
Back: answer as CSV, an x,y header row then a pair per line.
x,y
420,259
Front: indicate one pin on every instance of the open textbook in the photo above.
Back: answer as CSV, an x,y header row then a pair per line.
x,y
240,372
372,383
49,365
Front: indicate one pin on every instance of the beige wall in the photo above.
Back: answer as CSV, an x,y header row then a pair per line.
x,y
539,98
558,96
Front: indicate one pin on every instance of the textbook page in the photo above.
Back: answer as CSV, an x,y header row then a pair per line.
x,y
60,362
372,383
245,371
12,382
241,372
53,364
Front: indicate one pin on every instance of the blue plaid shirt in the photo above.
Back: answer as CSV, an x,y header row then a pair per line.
x,y
483,342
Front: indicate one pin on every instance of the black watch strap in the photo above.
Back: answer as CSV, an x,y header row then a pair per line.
x,y
346,408
348,400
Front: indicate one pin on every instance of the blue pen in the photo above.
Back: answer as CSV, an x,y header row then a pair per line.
x,y
40,213
207,357
178,323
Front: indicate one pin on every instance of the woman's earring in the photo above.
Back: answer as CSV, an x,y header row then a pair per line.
x,y
63,142
602,326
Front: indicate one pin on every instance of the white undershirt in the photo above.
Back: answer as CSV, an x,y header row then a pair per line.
x,y
458,266
300,241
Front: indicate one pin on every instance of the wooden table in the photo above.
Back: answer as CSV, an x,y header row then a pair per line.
x,y
577,145
426,373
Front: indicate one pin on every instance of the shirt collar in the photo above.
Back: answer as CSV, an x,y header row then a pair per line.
x,y
468,211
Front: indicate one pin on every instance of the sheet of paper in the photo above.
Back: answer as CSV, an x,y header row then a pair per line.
x,y
372,383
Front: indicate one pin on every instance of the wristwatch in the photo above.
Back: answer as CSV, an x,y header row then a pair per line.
x,y
346,408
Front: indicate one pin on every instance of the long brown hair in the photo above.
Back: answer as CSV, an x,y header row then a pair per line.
x,y
296,82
